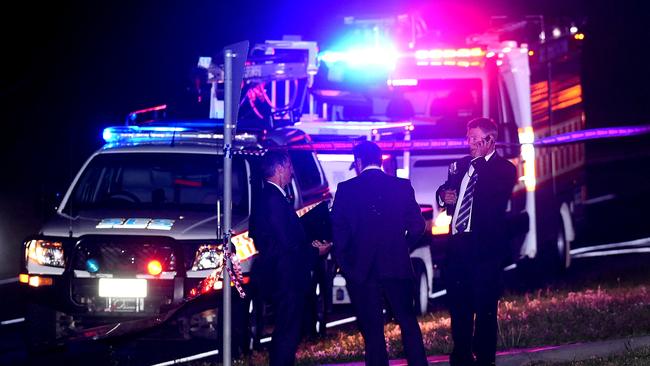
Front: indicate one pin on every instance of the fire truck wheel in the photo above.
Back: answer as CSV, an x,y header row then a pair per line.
x,y
563,248
321,311
421,290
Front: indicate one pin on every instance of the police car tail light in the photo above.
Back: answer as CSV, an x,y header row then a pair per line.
x,y
244,246
208,256
45,252
154,267
441,224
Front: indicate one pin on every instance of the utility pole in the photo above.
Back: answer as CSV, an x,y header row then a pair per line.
x,y
234,60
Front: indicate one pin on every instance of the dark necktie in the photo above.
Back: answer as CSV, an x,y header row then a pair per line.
x,y
466,205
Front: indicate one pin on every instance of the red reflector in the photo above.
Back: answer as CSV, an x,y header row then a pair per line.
x,y
187,183
154,268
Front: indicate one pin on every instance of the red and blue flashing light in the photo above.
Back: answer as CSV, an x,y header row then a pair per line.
x,y
185,131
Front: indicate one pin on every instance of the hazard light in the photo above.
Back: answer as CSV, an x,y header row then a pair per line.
x,y
359,58
449,54
462,57
527,139
38,281
244,246
441,224
154,267
219,284
35,281
402,82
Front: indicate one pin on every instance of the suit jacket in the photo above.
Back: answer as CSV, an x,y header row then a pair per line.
x,y
285,256
375,221
496,179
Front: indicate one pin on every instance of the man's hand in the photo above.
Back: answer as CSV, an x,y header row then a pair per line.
x,y
449,196
323,246
485,146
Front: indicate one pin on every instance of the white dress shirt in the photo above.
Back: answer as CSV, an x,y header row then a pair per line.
x,y
370,167
280,188
461,194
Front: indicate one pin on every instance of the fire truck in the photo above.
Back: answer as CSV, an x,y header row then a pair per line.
x,y
414,94
524,75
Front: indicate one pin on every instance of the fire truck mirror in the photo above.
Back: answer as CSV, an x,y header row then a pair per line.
x,y
509,138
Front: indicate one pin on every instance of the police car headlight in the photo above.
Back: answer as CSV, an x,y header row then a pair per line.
x,y
208,256
45,252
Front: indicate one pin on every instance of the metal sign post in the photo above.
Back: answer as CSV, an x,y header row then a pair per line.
x,y
234,60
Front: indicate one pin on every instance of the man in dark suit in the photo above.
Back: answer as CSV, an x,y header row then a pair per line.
x,y
476,194
375,219
281,271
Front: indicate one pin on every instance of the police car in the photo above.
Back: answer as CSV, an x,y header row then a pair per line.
x,y
137,231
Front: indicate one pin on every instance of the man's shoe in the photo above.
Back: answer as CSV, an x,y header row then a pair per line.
x,y
458,361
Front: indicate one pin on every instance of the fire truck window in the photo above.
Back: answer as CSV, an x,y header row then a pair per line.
x,y
447,104
507,124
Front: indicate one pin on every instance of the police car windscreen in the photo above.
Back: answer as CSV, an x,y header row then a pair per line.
x,y
157,181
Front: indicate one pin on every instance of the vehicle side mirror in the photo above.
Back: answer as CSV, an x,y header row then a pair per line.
x,y
49,202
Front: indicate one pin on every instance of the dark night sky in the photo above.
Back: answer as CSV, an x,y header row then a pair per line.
x,y
73,68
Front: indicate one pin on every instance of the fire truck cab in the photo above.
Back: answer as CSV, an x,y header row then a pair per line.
x,y
524,75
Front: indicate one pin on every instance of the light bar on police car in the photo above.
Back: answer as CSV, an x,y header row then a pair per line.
x,y
139,134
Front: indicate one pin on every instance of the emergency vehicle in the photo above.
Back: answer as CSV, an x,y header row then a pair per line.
x,y
137,232
524,75
137,240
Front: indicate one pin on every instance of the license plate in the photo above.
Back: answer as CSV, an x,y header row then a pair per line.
x,y
123,287
124,305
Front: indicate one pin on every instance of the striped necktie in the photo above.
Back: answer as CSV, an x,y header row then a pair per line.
x,y
466,205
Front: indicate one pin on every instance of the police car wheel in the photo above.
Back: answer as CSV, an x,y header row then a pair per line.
x,y
255,325
41,328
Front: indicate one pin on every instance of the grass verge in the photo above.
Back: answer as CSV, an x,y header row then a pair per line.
x,y
546,317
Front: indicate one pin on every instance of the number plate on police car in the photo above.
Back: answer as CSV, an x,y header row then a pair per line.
x,y
123,287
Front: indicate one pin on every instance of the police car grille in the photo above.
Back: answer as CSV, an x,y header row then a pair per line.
x,y
122,257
